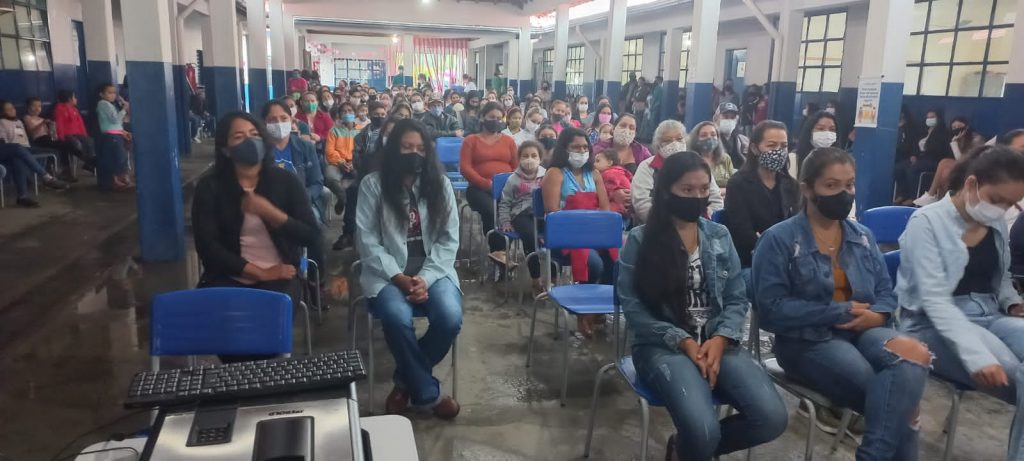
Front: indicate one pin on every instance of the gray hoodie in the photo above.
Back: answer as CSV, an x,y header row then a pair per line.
x,y
517,196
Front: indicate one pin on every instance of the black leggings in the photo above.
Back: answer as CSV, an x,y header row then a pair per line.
x,y
481,202
79,146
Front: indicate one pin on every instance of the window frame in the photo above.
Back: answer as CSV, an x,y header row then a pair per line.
x,y
37,44
547,70
574,65
806,42
637,57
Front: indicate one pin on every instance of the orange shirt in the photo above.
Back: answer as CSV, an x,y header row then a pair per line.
x,y
480,161
842,290
340,143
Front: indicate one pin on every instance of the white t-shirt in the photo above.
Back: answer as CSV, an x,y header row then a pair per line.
x,y
520,137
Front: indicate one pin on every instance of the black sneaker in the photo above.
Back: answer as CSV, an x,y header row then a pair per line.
x,y
55,184
339,207
26,202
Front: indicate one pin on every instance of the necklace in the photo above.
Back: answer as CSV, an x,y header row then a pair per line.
x,y
828,242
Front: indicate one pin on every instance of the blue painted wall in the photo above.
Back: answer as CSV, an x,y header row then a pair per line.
x,y
875,151
227,92
100,73
259,90
1013,107
699,98
670,99
525,87
781,102
590,91
559,90
65,77
155,125
279,82
612,89
181,109
986,114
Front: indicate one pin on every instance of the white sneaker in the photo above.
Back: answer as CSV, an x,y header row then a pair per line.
x,y
926,199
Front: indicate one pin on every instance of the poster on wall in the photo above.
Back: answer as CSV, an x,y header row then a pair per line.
x,y
869,93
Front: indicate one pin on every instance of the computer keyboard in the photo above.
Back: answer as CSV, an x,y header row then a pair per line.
x,y
244,379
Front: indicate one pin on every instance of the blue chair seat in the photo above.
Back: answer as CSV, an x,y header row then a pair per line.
x,y
629,372
460,185
585,298
454,175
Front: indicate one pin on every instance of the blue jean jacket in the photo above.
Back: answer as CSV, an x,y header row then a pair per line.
x,y
793,282
725,288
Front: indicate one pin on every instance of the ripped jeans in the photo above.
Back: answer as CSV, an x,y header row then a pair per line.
x,y
742,383
861,373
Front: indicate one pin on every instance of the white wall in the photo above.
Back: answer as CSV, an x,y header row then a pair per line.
x,y
192,39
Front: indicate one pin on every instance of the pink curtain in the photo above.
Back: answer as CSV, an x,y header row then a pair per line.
x,y
442,60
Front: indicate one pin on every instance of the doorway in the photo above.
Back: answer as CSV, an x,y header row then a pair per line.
x,y
736,68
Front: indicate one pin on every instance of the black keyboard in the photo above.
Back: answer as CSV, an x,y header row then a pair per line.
x,y
244,379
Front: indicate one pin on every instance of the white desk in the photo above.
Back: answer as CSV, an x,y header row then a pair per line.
x,y
391,439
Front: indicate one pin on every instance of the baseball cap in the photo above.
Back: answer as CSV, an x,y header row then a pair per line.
x,y
727,107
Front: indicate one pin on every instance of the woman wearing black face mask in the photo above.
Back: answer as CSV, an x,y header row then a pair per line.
x,y
484,155
686,302
408,236
250,219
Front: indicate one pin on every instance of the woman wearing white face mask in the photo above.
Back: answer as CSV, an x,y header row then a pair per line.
x,y
631,152
819,130
669,138
954,284
931,150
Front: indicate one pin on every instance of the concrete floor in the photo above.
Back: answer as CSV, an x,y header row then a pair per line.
x,y
83,333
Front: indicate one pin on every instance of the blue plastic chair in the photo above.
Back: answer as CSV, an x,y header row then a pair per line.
x,y
448,149
717,216
512,242
892,262
579,229
887,222
220,321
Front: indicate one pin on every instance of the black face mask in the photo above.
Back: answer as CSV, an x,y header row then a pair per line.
x,y
249,152
494,126
688,209
377,121
556,117
836,206
410,163
548,143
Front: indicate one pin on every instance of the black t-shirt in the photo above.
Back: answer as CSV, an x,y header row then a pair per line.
x,y
414,240
981,267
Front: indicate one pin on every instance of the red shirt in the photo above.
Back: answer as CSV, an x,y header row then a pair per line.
x,y
69,121
321,123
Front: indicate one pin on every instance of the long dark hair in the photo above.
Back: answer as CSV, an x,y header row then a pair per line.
x,y
990,164
938,140
803,144
663,264
1007,138
392,182
750,162
223,166
818,160
967,139
595,123
275,102
560,155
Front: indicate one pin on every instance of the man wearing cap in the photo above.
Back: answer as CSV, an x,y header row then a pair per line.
x,y
439,123
734,143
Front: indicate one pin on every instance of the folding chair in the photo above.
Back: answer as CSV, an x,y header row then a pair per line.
x,y
418,312
579,229
43,157
448,149
512,242
887,223
224,321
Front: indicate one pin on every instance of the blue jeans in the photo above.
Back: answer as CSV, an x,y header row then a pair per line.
x,y
599,265
22,166
742,383
415,359
1002,335
111,159
859,372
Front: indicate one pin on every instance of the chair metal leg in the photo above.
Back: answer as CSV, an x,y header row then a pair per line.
x,y
533,326
307,333
954,412
593,407
319,300
353,308
369,365
565,356
645,421
455,368
812,427
844,424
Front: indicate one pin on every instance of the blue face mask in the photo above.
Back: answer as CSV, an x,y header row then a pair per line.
x,y
436,111
348,118
249,152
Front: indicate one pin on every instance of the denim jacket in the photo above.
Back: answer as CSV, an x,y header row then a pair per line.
x,y
793,282
725,288
932,262
381,238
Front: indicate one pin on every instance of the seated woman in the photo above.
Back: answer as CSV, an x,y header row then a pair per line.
x,y
822,287
484,155
931,149
818,130
250,218
318,120
704,141
572,183
294,154
686,303
965,141
408,236
631,151
761,193
954,286
669,139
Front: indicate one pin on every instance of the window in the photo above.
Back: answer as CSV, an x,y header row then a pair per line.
x,y
959,47
821,52
574,71
684,57
549,67
25,36
632,57
359,70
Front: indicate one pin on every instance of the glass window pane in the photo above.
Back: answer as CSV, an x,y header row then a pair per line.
x,y
28,55
9,48
803,54
684,61
1006,12
39,24
919,17
1002,41
970,46
975,13
7,23
42,56
834,53
816,30
910,80
24,24
812,79
938,47
965,81
687,41
914,48
803,29
830,79
943,14
934,79
815,53
837,25
995,79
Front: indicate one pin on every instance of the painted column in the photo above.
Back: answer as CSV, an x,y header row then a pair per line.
x,y
853,51
525,61
512,64
613,51
256,26
277,73
181,89
148,62
888,32
100,51
290,63
561,50
223,68
1013,91
785,57
409,60
673,54
65,54
701,71
205,79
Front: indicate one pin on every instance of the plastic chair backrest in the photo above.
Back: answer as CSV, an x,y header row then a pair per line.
x,y
538,204
579,229
448,149
892,262
887,222
717,216
229,321
498,185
